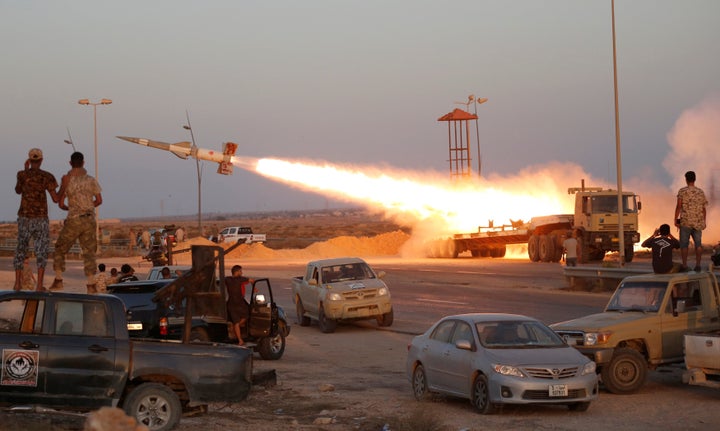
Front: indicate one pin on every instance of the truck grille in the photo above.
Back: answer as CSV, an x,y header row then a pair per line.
x,y
360,294
552,373
572,338
543,395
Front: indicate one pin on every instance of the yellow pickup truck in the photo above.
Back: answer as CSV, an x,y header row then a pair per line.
x,y
643,325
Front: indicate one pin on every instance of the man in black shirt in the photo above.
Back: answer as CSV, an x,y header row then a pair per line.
x,y
662,244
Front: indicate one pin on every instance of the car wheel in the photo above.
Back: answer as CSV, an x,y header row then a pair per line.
x,y
272,348
481,395
154,405
420,384
579,407
302,319
386,319
625,373
534,248
199,334
326,325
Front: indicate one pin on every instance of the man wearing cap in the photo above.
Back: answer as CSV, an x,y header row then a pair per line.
x,y
83,195
33,222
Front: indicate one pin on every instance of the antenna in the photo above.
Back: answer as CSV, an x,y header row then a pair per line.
x,y
70,141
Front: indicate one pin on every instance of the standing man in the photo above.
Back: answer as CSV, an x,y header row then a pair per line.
x,y
662,244
237,307
83,195
571,249
690,213
33,222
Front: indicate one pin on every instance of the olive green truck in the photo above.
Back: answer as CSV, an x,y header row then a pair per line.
x,y
643,325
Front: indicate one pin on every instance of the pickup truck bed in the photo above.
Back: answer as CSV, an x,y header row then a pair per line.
x,y
702,359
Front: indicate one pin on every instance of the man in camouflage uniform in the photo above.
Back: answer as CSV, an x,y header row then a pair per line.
x,y
83,195
31,185
690,213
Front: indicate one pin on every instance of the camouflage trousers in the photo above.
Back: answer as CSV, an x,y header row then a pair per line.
x,y
81,229
39,230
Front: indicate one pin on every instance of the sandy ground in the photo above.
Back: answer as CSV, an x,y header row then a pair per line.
x,y
355,379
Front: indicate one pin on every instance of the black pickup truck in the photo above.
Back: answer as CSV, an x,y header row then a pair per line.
x,y
73,351
149,317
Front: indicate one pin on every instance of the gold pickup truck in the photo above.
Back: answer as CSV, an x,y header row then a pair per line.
x,y
643,325
341,289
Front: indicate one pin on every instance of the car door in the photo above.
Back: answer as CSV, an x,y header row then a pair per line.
x,y
458,362
24,350
81,354
309,291
679,320
435,354
263,316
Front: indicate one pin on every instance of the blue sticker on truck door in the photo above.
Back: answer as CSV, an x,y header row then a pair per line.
x,y
20,367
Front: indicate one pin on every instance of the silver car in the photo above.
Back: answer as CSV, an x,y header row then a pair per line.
x,y
494,359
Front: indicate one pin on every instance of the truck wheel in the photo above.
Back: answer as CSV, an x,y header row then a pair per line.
x,y
547,248
386,319
498,251
481,395
199,334
272,348
625,373
154,405
629,253
534,248
326,325
302,319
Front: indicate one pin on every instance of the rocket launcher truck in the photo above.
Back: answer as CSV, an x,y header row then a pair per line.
x,y
595,221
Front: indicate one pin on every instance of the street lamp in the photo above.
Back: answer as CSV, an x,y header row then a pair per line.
x,y
97,176
199,173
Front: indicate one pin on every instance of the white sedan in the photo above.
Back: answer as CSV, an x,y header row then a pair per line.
x,y
494,359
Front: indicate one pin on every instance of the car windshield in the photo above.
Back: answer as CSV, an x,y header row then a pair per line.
x,y
638,296
347,272
517,335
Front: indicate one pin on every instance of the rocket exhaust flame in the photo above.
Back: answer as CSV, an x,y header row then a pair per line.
x,y
419,197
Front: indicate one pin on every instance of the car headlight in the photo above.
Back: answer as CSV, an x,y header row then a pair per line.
x,y
333,296
507,370
589,368
383,291
593,338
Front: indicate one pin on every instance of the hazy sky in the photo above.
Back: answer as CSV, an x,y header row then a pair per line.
x,y
345,81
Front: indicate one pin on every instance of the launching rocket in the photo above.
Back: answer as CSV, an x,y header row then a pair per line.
x,y
185,149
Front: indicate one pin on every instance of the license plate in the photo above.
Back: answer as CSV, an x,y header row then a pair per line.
x,y
134,326
558,390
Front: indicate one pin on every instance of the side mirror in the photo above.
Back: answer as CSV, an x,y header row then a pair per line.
x,y
260,299
312,282
381,274
680,308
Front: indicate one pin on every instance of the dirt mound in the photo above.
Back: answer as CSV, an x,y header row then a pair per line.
x,y
386,244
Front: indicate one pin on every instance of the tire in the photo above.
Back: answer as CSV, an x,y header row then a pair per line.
x,y
579,407
199,334
625,373
629,253
547,248
534,248
272,348
326,325
420,384
302,319
481,395
475,253
386,319
498,251
154,405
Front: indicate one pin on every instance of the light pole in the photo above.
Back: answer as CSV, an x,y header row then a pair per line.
x,y
97,176
199,173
